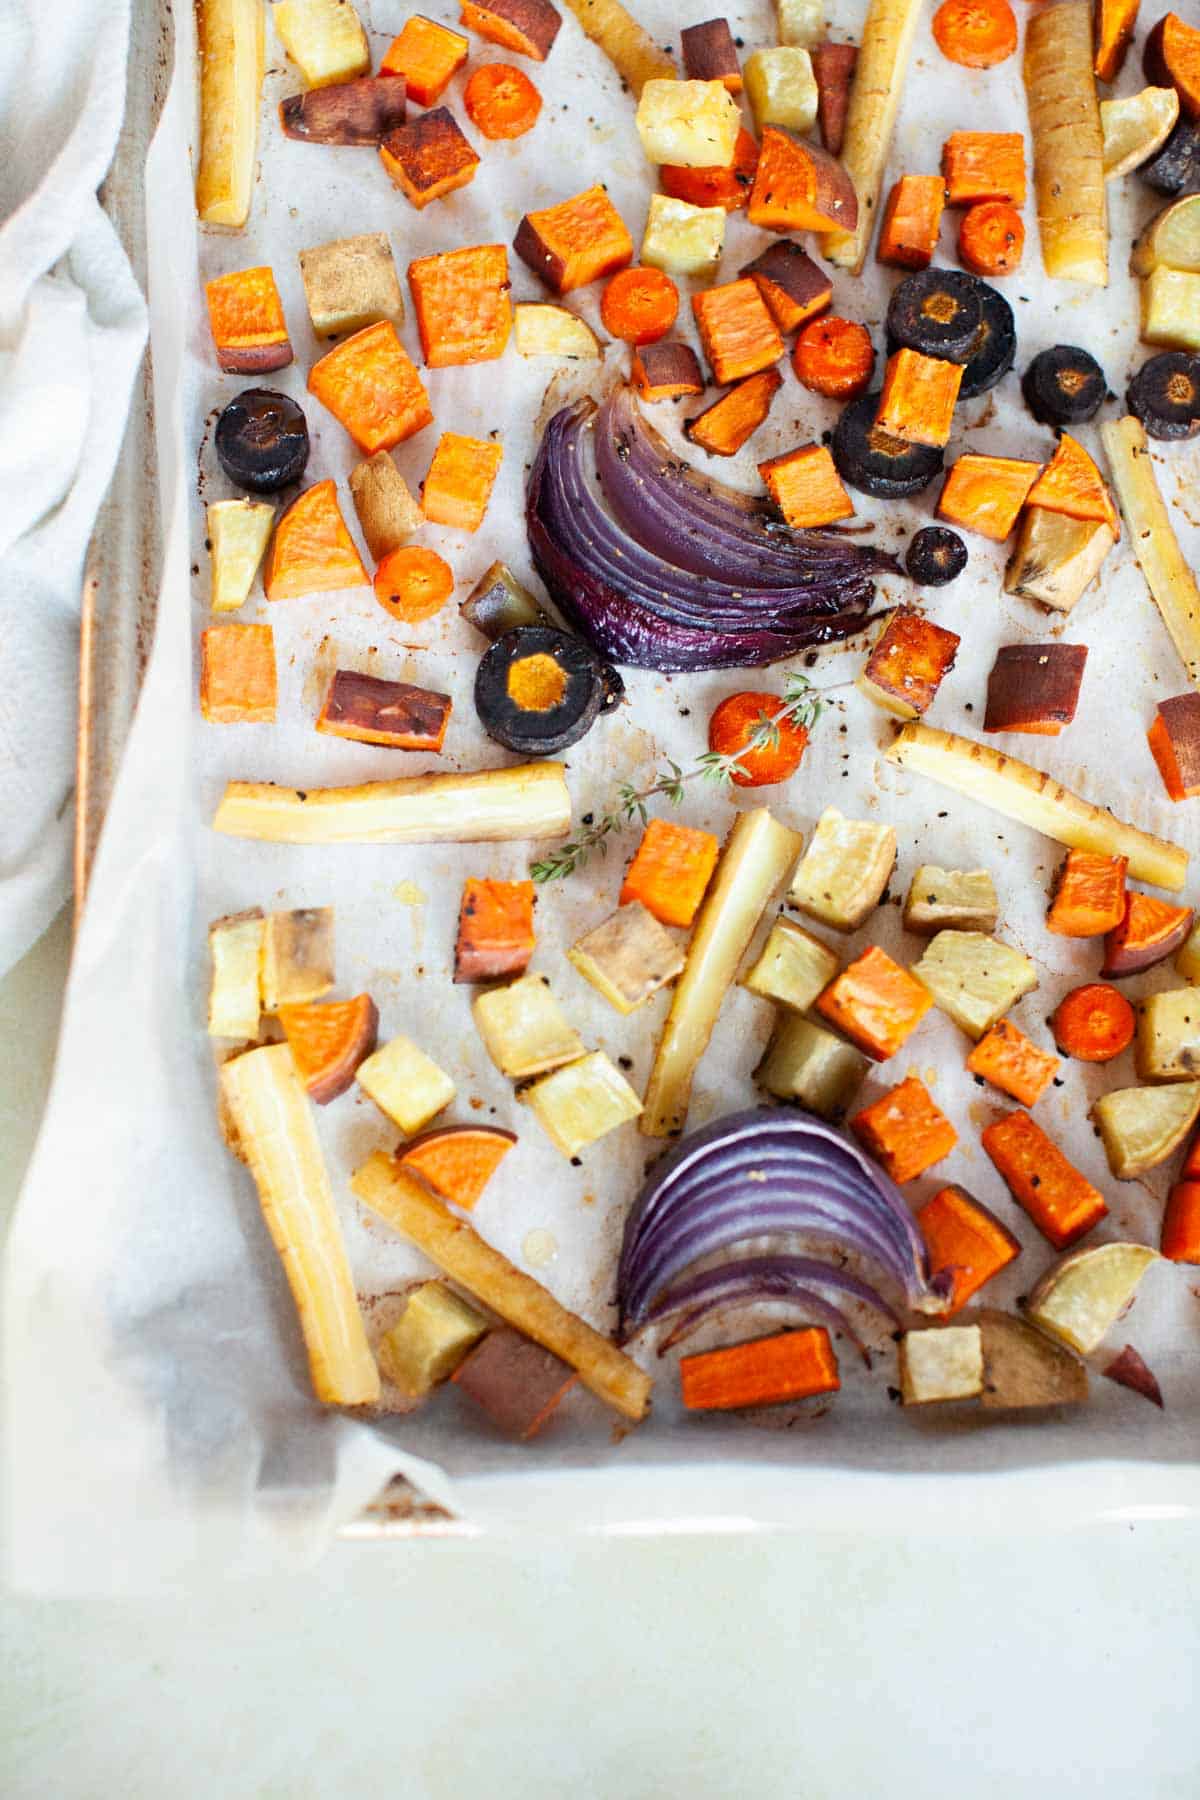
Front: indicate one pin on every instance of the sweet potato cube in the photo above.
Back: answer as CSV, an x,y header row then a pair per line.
x,y
1062,1203
429,157
727,188
710,54
248,327
665,370
967,1240
800,188
350,283
738,333
688,124
918,398
806,487
671,870
312,552
348,113
794,287
371,386
514,1381
495,930
909,661
372,711
459,484
1005,1057
464,314
904,1130
1034,687
386,509
1089,895
329,1039
1174,740
986,493
237,674
527,26
1071,483
726,425
575,242
984,165
912,219
875,1003
426,56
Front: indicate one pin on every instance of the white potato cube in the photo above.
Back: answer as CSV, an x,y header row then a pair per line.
x,y
433,1334
950,900
1168,1036
689,124
405,1084
974,978
800,21
844,871
943,1363
805,1062
297,957
235,945
350,283
324,38
1171,309
682,239
782,88
582,1102
238,533
540,329
794,967
628,957
524,1030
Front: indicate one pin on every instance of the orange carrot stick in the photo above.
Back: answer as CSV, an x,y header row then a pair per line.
x,y
1180,1241
1062,1203
790,1366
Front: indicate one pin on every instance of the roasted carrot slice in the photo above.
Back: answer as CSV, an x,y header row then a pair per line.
x,y
977,34
413,583
834,357
735,722
329,1039
1093,1023
991,238
457,1161
501,101
639,306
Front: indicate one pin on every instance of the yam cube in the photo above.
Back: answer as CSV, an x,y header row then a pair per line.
x,y
1062,1203
460,297
387,511
730,421
841,876
942,1363
324,38
665,370
984,165
1174,740
371,386
426,56
1034,688
710,54
974,978
312,552
904,1130
540,329
806,487
794,967
1167,1047
350,283
582,1102
495,930
297,957
575,242
781,88
689,124
965,1239
235,945
527,26
670,871
249,330
516,1382
628,957
950,900
428,157
405,1084
908,663
683,239
737,332
800,188
459,484
430,1339
807,1064
238,534
986,493
1023,1367
918,398
395,713
524,1030
237,674
794,287
1089,895
1005,1057
1171,309
876,1003
912,219
802,22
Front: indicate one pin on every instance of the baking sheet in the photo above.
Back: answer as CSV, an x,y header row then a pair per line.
x,y
150,1337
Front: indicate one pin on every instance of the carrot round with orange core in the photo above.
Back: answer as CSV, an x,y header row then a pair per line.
x,y
501,101
977,34
834,357
639,305
991,238
413,583
1093,1023
735,722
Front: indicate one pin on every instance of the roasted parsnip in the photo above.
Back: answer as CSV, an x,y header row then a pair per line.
x,y
489,806
232,51
1068,144
1171,582
632,52
879,77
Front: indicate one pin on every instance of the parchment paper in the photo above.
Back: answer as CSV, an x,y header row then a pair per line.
x,y
160,1423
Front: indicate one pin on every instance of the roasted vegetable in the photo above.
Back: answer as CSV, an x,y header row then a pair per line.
x,y
737,332
638,306
1071,483
781,88
1170,241
395,713
904,1130
671,870
735,731
805,486
495,930
581,1102
1056,558
803,1062
430,1339
1005,1057
426,56
1129,1370
537,690
977,34
1114,25
386,510
1171,57
1081,1298
793,968
457,1161
974,978
261,440
991,238
501,102
1164,395
238,534
1063,386
1089,895
1174,740
937,312
428,158
794,287
842,874
911,220
908,663
965,1240
879,77
1149,932
942,1363
1034,687
312,552
935,557
328,1040
727,188
834,357
995,348
833,70
870,459
1062,1203
371,386
543,330
1135,127
1170,308
1022,1367
245,315
458,485
413,583
529,800
632,51
799,188
1068,145
1093,1023
1180,1241
351,112
405,1084
732,420
876,1003
297,957
1141,1127
628,957
351,282
709,54
324,38
682,239
986,493
575,242
461,301
1172,585
1168,1036
689,124
235,946
1176,168
527,26
524,1030
984,165
800,22
231,45
498,604
793,1365
950,900
666,371
917,401
237,675
515,1382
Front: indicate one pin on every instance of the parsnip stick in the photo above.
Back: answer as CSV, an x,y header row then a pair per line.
x,y
1172,584
460,1252
1068,142
630,49
879,78
529,801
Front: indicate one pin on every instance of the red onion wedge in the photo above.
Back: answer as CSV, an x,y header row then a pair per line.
x,y
796,1280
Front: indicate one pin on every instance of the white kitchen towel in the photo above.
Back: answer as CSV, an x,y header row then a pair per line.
x,y
72,329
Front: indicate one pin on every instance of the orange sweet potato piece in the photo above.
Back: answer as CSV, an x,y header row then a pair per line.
x,y
1089,895
738,333
800,188
724,427
984,165
908,663
794,287
911,221
460,297
875,1003
371,386
728,188
1062,1203
1005,1057
428,157
495,930
395,713
1174,740
1150,931
918,398
237,674
1171,58
459,484
833,67
986,493
1115,20
527,26
1071,483
575,242
792,1365
329,1039
904,1130
806,487
664,370
248,326
964,1237
311,551
426,56
670,871
1180,1241
457,1161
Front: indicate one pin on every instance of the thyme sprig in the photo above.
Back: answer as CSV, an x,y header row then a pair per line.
x,y
802,706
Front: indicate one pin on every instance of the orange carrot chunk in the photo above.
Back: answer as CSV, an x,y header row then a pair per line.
x,y
984,165
904,1130
911,221
1005,1057
737,332
977,34
413,583
1180,1241
834,357
670,871
1093,1023
457,1161
965,1239
459,484
725,426
791,1366
426,55
806,487
1072,484
1062,1203
639,305
495,930
728,188
1150,931
1089,895
991,238
875,1003
501,101
734,723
